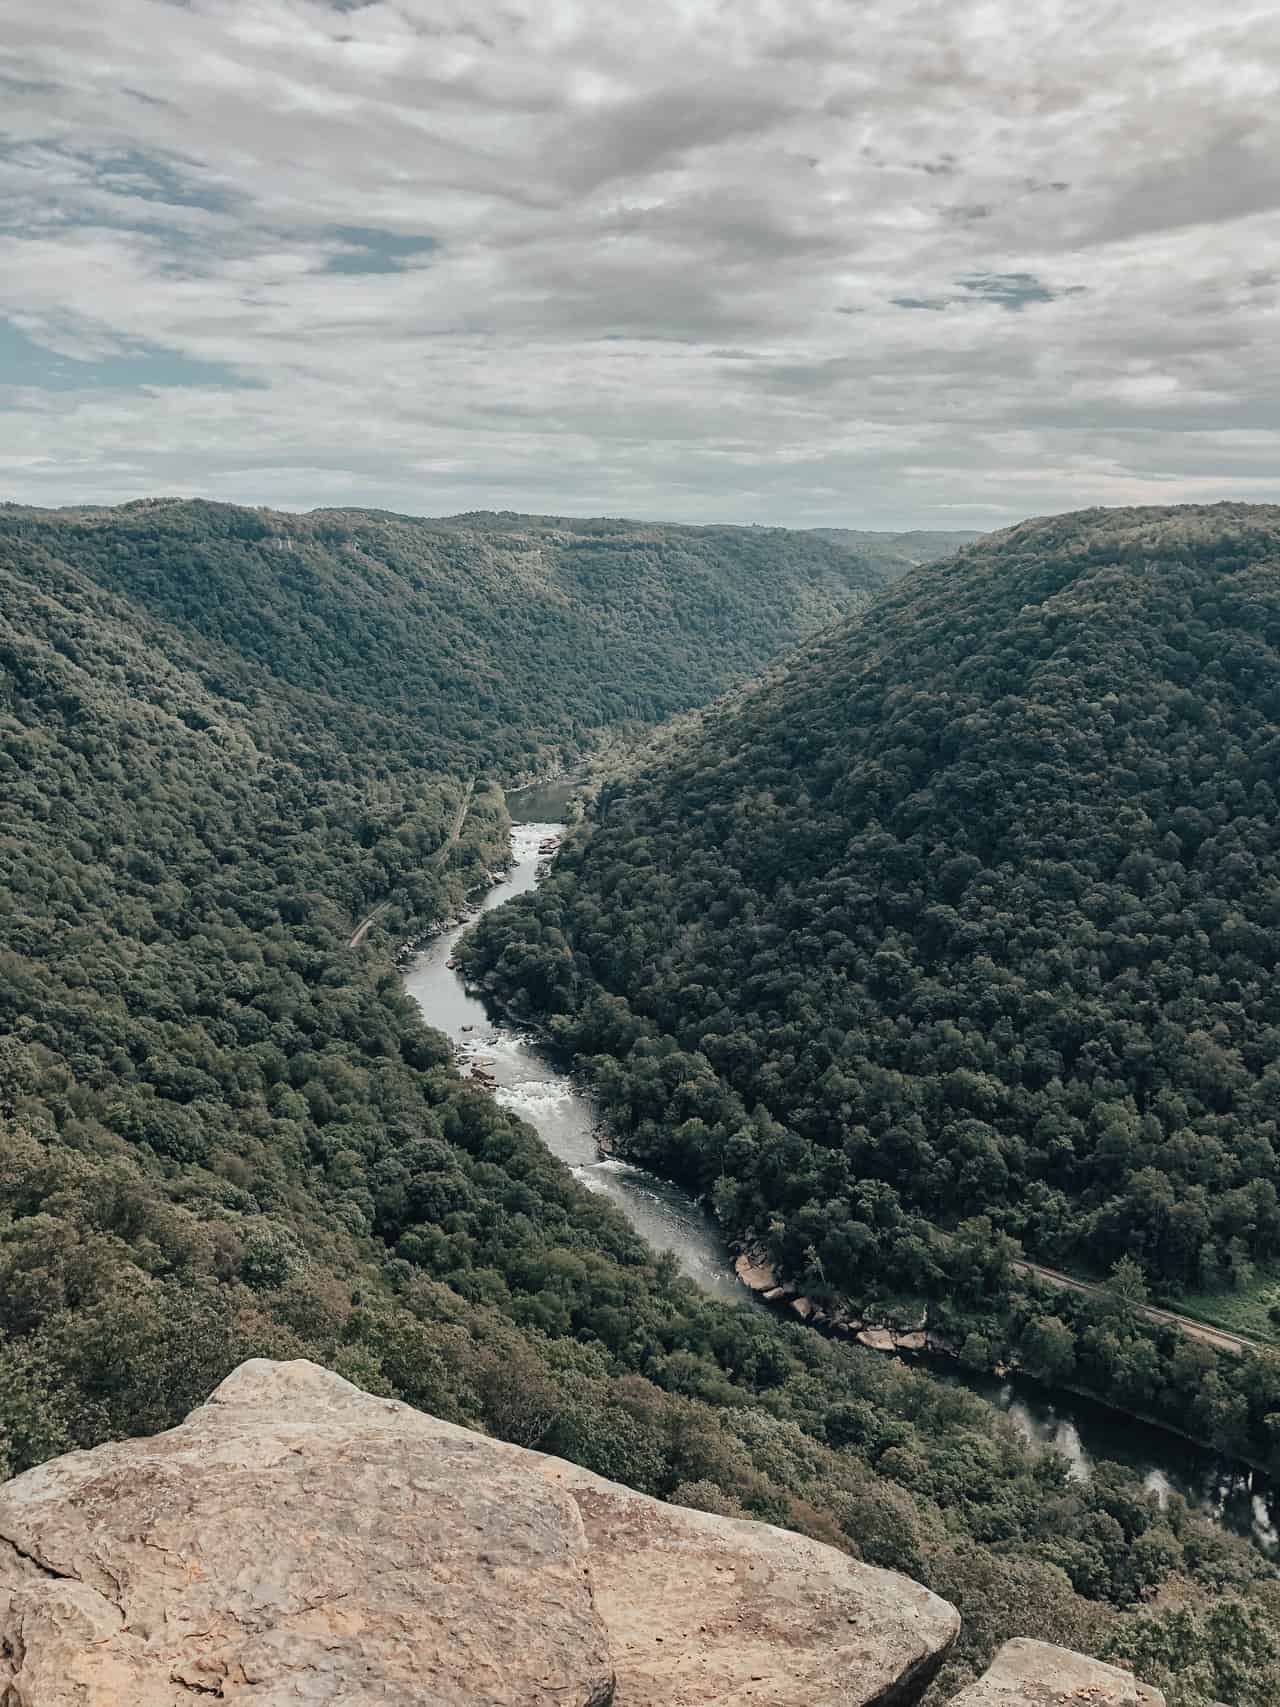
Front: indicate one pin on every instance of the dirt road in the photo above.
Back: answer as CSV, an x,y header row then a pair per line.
x,y
1219,1338
362,929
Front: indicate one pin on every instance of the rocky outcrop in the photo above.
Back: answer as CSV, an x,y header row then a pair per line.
x,y
1033,1674
295,1541
299,1543
755,1272
758,1275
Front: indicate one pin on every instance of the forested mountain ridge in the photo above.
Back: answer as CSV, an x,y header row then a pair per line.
x,y
512,636
223,1133
974,914
896,553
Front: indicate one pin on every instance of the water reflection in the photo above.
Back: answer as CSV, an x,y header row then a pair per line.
x,y
1084,1431
1059,1434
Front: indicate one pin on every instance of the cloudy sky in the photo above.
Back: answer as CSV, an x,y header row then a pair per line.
x,y
867,262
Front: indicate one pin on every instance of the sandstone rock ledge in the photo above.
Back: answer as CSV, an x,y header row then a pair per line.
x,y
1033,1674
299,1543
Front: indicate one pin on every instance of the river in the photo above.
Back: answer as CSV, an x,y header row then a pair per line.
x,y
561,1109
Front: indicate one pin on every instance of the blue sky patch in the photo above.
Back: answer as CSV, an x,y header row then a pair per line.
x,y
147,178
1013,290
1007,290
371,251
25,362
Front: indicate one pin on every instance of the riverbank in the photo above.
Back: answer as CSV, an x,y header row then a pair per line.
x,y
756,1273
532,1079
754,1270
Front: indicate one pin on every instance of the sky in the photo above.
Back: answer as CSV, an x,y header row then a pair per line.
x,y
866,263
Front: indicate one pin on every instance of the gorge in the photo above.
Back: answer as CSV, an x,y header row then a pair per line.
x,y
543,1090
943,962
246,756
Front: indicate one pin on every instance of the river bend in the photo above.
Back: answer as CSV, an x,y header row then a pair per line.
x,y
562,1111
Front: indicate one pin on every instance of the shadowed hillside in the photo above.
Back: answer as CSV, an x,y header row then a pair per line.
x,y
225,1133
965,932
511,637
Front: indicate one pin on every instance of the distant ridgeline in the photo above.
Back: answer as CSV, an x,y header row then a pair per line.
x,y
964,933
226,737
505,637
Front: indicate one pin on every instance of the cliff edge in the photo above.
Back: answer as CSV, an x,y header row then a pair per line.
x,y
298,1542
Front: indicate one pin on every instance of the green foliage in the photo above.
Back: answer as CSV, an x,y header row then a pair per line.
x,y
984,894
896,553
973,913
225,738
503,639
959,940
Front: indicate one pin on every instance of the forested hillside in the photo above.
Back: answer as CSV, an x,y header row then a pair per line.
x,y
508,637
223,1132
895,553
966,932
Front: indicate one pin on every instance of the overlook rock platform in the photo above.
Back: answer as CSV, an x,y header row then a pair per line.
x,y
299,1543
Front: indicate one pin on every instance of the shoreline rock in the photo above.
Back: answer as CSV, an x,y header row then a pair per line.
x,y
754,1273
754,1269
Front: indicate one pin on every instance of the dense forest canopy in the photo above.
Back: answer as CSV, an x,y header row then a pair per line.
x,y
226,736
899,552
974,913
505,637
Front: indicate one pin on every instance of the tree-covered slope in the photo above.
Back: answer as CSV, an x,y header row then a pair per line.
x,y
508,636
975,912
895,553
223,1132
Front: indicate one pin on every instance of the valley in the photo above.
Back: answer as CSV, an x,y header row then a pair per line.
x,y
247,757
530,1082
640,855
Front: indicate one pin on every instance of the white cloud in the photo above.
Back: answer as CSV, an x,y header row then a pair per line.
x,y
671,248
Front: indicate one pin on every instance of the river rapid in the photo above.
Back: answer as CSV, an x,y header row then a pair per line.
x,y
527,1081
561,1110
